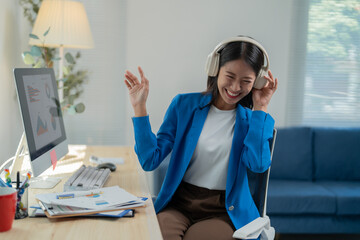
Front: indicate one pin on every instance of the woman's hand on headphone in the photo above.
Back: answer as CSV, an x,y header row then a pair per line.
x,y
261,97
138,91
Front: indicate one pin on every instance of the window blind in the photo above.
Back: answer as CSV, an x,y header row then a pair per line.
x,y
330,84
332,81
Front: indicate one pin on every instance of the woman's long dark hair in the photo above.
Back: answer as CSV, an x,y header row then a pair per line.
x,y
248,52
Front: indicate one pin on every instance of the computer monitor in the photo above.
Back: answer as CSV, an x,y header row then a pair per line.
x,y
42,117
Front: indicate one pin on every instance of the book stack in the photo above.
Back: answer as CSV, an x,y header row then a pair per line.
x,y
103,201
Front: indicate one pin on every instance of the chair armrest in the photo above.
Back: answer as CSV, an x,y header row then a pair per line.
x,y
260,226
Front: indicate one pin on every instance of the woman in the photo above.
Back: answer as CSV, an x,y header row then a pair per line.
x,y
214,136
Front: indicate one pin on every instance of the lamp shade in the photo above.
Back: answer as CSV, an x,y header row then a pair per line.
x,y
69,25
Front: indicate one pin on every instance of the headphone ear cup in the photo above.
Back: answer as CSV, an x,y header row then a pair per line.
x,y
260,81
212,64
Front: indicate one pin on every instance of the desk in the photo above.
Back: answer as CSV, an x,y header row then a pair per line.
x,y
129,176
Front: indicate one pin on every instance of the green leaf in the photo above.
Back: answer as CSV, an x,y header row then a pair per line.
x,y
56,58
33,36
66,70
69,58
80,107
47,31
28,59
38,64
35,51
71,99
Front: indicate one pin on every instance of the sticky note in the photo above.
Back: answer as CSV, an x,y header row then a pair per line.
x,y
53,158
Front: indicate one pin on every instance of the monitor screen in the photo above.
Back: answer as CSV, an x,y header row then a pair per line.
x,y
42,116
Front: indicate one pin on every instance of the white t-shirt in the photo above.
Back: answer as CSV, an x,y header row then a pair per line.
x,y
209,164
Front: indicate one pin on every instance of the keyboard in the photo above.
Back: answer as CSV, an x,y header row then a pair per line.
x,y
87,178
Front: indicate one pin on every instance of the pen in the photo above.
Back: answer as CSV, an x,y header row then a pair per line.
x,y
28,176
7,177
42,206
17,179
35,207
74,195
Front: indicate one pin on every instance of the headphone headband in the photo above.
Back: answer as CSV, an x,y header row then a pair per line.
x,y
221,45
212,65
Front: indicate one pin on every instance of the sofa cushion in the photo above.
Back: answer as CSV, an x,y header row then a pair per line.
x,y
337,153
299,197
292,156
347,196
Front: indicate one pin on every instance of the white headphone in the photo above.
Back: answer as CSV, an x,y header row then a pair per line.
x,y
212,64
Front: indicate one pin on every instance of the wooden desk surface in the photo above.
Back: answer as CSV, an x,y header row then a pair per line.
x,y
129,176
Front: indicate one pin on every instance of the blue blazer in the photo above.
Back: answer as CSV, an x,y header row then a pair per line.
x,y
179,133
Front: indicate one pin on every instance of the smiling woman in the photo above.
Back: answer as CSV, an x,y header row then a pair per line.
x,y
225,138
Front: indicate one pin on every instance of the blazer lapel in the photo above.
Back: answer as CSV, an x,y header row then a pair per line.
x,y
240,131
195,131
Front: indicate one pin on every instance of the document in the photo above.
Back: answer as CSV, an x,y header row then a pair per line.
x,y
88,202
38,212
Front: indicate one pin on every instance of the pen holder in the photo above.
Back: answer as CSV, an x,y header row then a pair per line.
x,y
22,203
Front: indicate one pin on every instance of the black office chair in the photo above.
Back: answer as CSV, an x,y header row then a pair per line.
x,y
258,183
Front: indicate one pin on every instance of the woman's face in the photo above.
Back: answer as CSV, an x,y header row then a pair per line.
x,y
235,81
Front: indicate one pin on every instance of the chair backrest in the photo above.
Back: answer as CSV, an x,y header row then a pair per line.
x,y
258,183
159,176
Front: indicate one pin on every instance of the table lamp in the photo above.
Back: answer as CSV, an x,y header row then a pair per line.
x,y
69,28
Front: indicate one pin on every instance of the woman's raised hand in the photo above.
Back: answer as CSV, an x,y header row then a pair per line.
x,y
262,97
138,92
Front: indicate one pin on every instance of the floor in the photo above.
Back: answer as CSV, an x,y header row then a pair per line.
x,y
317,237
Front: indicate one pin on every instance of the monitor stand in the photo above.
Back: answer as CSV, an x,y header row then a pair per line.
x,y
22,153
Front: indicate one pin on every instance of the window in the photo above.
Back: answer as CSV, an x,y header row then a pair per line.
x,y
332,64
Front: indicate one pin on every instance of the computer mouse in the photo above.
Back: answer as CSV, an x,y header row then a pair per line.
x,y
108,165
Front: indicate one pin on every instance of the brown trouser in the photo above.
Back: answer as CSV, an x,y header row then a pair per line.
x,y
196,213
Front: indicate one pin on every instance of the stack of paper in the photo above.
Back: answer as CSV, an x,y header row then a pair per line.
x,y
68,204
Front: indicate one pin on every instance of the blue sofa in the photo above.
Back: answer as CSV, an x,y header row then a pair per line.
x,y
315,181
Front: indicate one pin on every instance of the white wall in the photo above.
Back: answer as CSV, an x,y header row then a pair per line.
x,y
11,32
103,122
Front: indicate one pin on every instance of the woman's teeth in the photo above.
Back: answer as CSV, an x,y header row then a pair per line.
x,y
232,94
